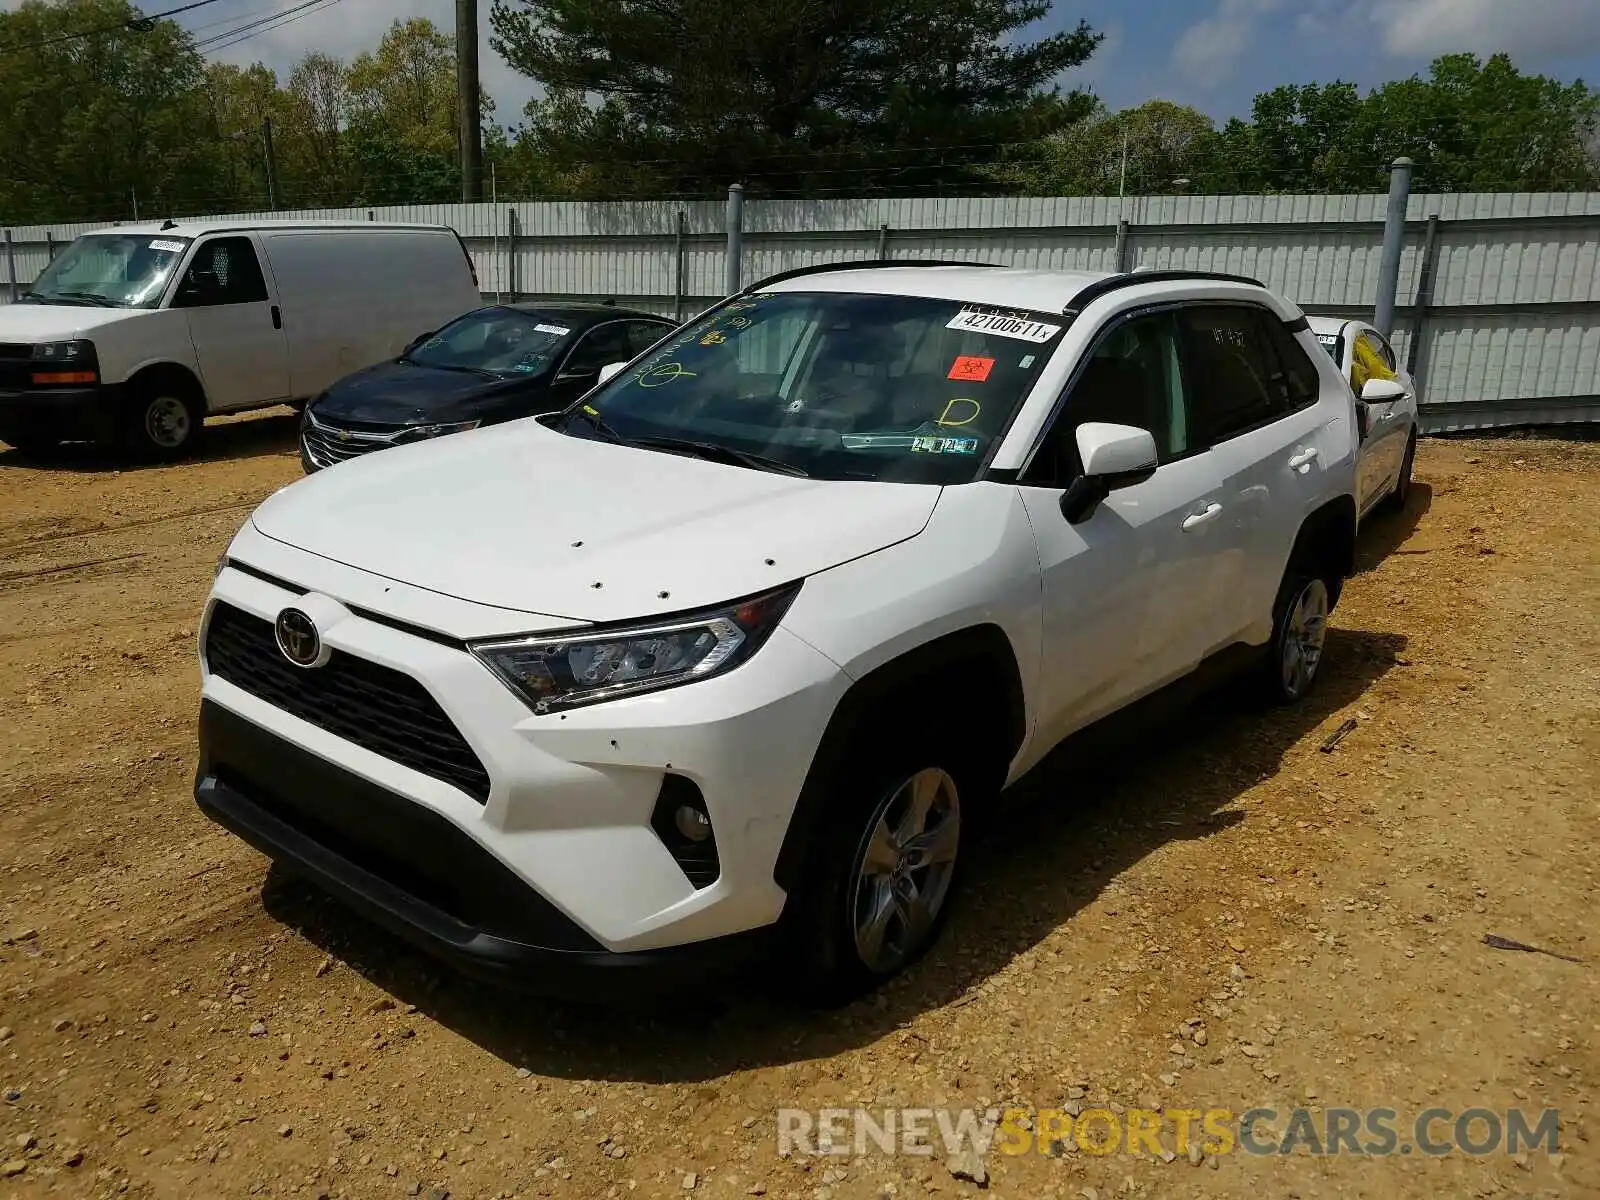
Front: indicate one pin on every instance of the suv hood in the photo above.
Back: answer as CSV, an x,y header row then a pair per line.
x,y
520,517
26,321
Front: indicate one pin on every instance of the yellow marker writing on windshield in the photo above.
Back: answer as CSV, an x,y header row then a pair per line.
x,y
945,419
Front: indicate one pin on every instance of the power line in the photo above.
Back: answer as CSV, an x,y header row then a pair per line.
x,y
141,24
243,33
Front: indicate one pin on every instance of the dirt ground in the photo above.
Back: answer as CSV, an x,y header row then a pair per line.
x,y
1233,918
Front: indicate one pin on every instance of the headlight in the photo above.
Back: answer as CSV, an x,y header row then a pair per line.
x,y
421,432
64,352
556,672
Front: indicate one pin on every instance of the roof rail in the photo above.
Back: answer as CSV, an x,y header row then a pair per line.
x,y
862,264
1101,287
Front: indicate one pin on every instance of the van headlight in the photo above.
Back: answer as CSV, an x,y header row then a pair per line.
x,y
76,351
554,671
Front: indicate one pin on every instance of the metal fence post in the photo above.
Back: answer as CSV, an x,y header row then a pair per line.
x,y
679,251
1394,234
11,268
1416,360
1121,264
49,246
883,242
513,227
735,227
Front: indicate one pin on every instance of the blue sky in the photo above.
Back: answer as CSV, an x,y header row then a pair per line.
x,y
1213,54
1217,54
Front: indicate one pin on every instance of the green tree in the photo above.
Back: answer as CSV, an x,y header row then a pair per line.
x,y
819,96
89,122
1152,144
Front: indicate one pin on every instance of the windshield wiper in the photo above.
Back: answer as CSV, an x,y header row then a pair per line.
x,y
94,298
480,371
597,422
712,452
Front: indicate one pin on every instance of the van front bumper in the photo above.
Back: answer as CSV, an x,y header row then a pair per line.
x,y
65,414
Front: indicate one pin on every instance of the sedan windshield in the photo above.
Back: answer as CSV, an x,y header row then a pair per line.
x,y
106,270
505,341
833,385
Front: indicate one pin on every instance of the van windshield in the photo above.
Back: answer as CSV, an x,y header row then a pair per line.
x,y
833,385
501,340
110,270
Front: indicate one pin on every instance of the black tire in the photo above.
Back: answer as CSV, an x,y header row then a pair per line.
x,y
1395,501
1277,681
828,968
163,419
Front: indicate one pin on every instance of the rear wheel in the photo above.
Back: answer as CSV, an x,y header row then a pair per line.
x,y
878,881
163,420
1299,636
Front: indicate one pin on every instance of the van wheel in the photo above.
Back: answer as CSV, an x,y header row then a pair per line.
x,y
878,882
164,420
1293,659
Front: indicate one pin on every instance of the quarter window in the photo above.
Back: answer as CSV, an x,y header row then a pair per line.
x,y
1237,383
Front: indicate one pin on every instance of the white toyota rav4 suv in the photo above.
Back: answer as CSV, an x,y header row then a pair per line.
x,y
728,654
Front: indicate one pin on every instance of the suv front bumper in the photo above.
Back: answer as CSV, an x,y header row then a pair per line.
x,y
558,865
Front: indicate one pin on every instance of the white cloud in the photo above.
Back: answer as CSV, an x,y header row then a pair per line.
x,y
1528,30
1208,51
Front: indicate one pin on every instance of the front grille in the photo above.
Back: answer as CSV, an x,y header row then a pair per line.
x,y
377,708
324,446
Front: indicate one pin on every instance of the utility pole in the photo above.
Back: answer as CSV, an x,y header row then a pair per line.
x,y
467,101
272,164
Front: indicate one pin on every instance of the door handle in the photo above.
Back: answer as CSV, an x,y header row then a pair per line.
x,y
1303,460
277,318
1196,519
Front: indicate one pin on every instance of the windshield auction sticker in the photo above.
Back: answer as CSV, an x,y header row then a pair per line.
x,y
973,320
971,370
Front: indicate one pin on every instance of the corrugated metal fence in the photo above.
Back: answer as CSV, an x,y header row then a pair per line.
x,y
1499,294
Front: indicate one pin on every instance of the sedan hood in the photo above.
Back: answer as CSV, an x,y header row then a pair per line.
x,y
398,393
520,517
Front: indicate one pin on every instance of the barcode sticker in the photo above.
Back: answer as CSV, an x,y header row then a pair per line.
x,y
558,330
166,244
973,320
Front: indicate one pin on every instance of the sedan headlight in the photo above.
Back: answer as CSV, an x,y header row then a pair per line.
x,y
555,672
418,433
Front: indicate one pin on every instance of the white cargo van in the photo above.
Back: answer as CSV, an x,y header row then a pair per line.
x,y
134,335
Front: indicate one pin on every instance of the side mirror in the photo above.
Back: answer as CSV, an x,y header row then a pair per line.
x,y
1382,391
611,371
1113,457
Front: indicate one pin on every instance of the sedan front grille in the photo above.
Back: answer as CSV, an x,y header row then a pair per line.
x,y
378,708
326,444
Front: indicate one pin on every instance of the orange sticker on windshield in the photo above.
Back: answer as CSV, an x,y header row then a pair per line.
x,y
971,370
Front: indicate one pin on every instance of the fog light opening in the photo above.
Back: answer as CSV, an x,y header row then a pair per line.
x,y
693,824
683,823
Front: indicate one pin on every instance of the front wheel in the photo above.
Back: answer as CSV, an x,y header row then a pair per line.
x,y
1395,501
163,422
879,879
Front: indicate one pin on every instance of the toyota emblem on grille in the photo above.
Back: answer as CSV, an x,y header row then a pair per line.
x,y
298,638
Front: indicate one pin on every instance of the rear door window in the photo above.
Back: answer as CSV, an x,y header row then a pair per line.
x,y
1236,382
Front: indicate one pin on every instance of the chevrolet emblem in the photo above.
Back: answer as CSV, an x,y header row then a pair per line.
x,y
344,435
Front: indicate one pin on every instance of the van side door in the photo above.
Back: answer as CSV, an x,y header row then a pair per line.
x,y
234,324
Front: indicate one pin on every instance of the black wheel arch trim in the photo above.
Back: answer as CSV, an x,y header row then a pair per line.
x,y
1003,707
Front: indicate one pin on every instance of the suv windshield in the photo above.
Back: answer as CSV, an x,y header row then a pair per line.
x,y
115,270
502,340
834,385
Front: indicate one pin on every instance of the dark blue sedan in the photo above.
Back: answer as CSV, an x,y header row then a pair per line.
x,y
494,364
